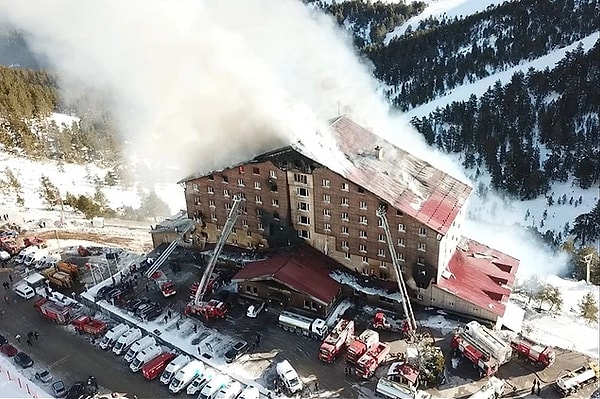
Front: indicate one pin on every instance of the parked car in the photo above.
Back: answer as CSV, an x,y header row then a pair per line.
x,y
76,390
102,292
8,350
58,389
24,291
255,309
23,360
236,351
44,376
3,340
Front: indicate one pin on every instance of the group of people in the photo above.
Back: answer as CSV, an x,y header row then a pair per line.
x,y
535,388
31,335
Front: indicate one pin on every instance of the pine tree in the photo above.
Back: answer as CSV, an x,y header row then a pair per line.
x,y
48,192
588,308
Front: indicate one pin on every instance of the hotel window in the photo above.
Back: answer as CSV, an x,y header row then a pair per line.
x,y
302,192
361,190
258,212
211,203
244,210
304,220
234,231
401,227
249,234
244,223
399,213
276,215
345,201
274,188
225,179
362,204
422,231
381,252
362,234
242,196
213,217
362,220
345,244
257,185
345,216
400,256
326,213
272,174
211,177
240,182
298,178
347,256
365,259
345,230
210,190
421,261
326,198
255,171
362,248
422,247
345,186
195,187
326,183
381,237
275,202
379,222
258,199
303,206
304,234
225,193
227,206
197,201
401,242
327,227
261,227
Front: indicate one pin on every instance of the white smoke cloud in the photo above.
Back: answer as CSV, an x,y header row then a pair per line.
x,y
197,85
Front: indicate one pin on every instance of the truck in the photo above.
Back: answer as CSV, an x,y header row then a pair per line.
x,y
58,279
540,355
492,389
382,322
365,341
370,361
302,325
156,366
53,311
289,377
33,241
139,346
88,325
485,339
336,340
126,340
485,364
172,368
69,268
144,357
571,382
392,390
10,245
186,375
166,286
111,337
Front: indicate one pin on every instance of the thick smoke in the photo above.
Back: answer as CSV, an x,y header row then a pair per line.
x,y
197,85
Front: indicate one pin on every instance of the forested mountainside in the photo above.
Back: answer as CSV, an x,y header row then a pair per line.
x,y
28,98
541,127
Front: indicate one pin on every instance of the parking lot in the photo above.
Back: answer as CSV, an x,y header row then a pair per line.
x,y
59,347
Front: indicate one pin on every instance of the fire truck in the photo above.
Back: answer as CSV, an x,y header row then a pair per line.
x,y
482,347
365,341
382,322
338,338
214,308
370,361
302,325
165,285
53,311
85,324
573,381
542,356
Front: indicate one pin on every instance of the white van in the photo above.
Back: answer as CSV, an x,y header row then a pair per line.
x,y
32,258
229,391
289,377
35,280
211,389
23,254
200,381
250,392
126,340
172,368
24,291
186,375
139,346
47,261
144,357
113,335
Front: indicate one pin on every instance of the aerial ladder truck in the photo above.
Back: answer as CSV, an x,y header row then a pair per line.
x,y
162,258
214,308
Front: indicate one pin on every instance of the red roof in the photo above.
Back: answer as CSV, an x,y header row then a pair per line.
x,y
305,270
404,181
480,275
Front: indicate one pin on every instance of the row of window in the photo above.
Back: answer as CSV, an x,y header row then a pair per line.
x,y
362,248
241,171
401,258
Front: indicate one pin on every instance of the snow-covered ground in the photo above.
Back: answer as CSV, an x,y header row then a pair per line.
x,y
18,383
